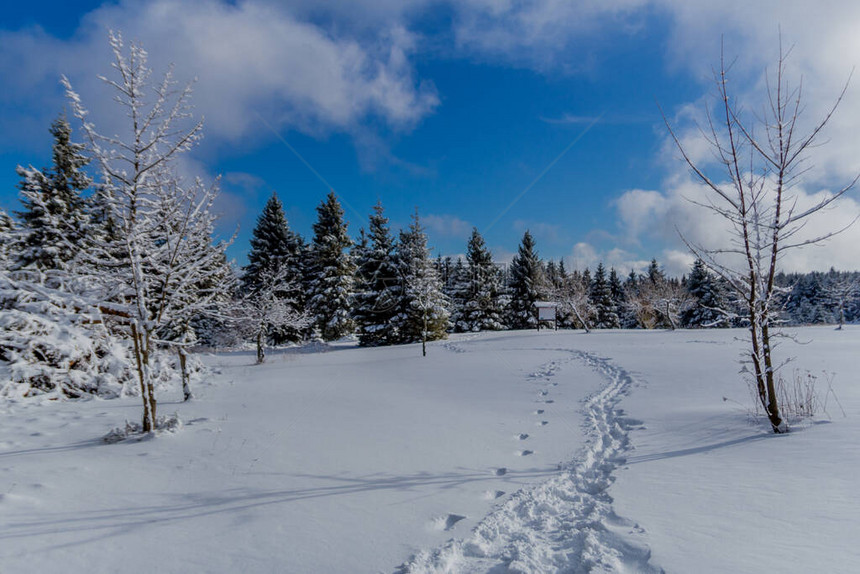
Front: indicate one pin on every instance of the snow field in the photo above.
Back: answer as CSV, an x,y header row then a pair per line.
x,y
717,492
565,524
499,452
344,461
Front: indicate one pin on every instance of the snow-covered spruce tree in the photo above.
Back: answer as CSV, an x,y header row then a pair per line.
x,y
482,306
604,305
526,279
276,250
752,193
424,310
7,230
457,289
708,309
147,272
617,290
331,272
53,215
379,286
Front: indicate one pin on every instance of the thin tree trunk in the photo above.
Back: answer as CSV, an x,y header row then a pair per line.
x,y
669,316
148,415
580,319
424,338
183,366
261,352
772,404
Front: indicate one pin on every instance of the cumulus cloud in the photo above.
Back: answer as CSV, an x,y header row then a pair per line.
x,y
677,212
254,62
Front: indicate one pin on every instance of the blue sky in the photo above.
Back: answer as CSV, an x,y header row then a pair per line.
x,y
453,108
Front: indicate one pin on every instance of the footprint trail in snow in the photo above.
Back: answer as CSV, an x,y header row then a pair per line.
x,y
565,524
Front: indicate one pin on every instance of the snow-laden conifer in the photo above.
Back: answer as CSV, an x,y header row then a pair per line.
x,y
708,308
526,278
53,215
276,250
601,296
423,314
331,272
482,306
379,285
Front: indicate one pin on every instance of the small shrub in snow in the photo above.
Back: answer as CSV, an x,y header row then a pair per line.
x,y
163,424
801,395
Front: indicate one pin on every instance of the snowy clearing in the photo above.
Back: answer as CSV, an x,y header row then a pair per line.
x,y
510,451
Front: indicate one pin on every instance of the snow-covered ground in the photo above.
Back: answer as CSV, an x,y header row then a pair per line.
x,y
523,451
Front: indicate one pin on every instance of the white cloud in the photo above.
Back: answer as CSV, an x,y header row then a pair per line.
x,y
543,232
638,209
679,215
447,225
251,59
585,255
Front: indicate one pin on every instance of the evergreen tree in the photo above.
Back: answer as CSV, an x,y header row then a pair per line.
x,y
551,274
7,229
601,295
457,291
332,272
482,308
277,251
654,274
708,307
424,310
378,286
525,283
53,215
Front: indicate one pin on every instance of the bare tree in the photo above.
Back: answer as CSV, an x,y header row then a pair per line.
x,y
753,194
658,303
267,305
572,295
147,265
839,293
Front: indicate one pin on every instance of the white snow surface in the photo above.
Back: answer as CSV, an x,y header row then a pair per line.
x,y
613,451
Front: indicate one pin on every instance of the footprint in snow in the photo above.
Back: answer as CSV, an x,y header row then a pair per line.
x,y
543,423
501,471
525,452
447,522
493,494
539,412
522,436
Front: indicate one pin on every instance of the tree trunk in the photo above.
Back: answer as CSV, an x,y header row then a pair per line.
x,y
580,319
772,404
424,338
669,316
186,387
261,352
141,355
